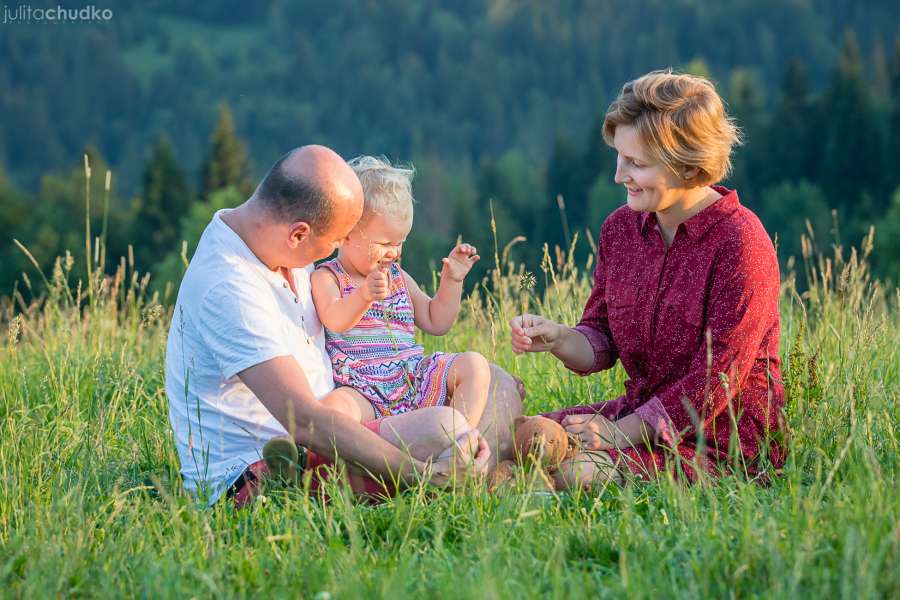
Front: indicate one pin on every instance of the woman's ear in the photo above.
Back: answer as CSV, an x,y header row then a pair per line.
x,y
298,232
690,173
694,177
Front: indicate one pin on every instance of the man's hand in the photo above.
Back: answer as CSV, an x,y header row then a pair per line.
x,y
377,286
458,264
533,333
282,387
469,456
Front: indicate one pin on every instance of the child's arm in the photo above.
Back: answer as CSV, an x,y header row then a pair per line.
x,y
436,315
340,314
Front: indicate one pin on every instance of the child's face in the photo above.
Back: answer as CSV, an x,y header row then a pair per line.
x,y
375,243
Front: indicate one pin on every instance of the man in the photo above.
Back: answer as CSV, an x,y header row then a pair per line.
x,y
246,360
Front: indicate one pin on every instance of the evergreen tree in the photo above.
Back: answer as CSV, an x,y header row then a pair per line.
x,y
227,163
879,64
887,243
893,137
165,200
13,222
784,209
789,151
55,220
191,223
852,167
569,178
746,104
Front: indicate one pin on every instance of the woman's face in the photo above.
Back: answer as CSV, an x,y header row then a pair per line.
x,y
375,243
651,186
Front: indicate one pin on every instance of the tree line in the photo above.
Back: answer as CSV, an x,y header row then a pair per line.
x,y
820,136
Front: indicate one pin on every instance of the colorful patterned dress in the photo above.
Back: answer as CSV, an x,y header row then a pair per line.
x,y
379,356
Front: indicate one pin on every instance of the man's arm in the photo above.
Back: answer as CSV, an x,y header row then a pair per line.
x,y
281,385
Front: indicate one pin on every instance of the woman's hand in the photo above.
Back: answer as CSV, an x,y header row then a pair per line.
x,y
533,333
593,431
596,432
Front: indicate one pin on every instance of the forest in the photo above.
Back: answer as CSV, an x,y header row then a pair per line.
x,y
120,137
496,104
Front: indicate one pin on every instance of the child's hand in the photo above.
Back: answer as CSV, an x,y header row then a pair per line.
x,y
458,264
377,286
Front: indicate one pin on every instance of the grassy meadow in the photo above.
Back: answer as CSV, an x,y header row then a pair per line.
x,y
90,503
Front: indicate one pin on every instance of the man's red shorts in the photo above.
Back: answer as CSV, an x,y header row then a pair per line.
x,y
247,487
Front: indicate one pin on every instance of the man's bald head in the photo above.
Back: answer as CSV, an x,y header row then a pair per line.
x,y
310,184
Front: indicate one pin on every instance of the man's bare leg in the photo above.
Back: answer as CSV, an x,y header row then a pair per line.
x,y
468,384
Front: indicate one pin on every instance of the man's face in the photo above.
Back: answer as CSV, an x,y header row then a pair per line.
x,y
311,245
324,245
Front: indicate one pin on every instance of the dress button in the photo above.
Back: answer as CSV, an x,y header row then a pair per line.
x,y
296,300
284,284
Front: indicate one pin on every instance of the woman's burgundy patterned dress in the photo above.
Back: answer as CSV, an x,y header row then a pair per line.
x,y
696,328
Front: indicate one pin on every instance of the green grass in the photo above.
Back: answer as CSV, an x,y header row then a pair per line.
x,y
83,429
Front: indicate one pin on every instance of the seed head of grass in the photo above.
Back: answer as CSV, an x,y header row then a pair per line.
x,y
527,281
15,328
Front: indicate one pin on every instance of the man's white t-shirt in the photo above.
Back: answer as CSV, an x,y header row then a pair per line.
x,y
232,313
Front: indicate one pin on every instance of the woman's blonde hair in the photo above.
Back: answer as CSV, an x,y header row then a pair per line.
x,y
681,120
387,188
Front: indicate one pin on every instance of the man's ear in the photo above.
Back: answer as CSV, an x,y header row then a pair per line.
x,y
298,232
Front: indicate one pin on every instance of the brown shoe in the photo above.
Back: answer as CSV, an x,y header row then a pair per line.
x,y
284,458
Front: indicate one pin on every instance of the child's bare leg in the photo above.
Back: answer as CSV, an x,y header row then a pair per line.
x,y
435,432
348,401
467,385
427,432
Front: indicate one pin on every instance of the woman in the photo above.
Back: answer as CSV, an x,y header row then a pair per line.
x,y
685,294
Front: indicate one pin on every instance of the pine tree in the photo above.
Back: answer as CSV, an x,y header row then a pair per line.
x,y
746,103
165,199
852,167
14,222
893,150
568,178
879,66
227,163
789,152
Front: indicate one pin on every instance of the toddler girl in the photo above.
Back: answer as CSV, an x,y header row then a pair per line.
x,y
370,308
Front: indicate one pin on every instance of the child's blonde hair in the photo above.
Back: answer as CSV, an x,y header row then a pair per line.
x,y
681,120
387,188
